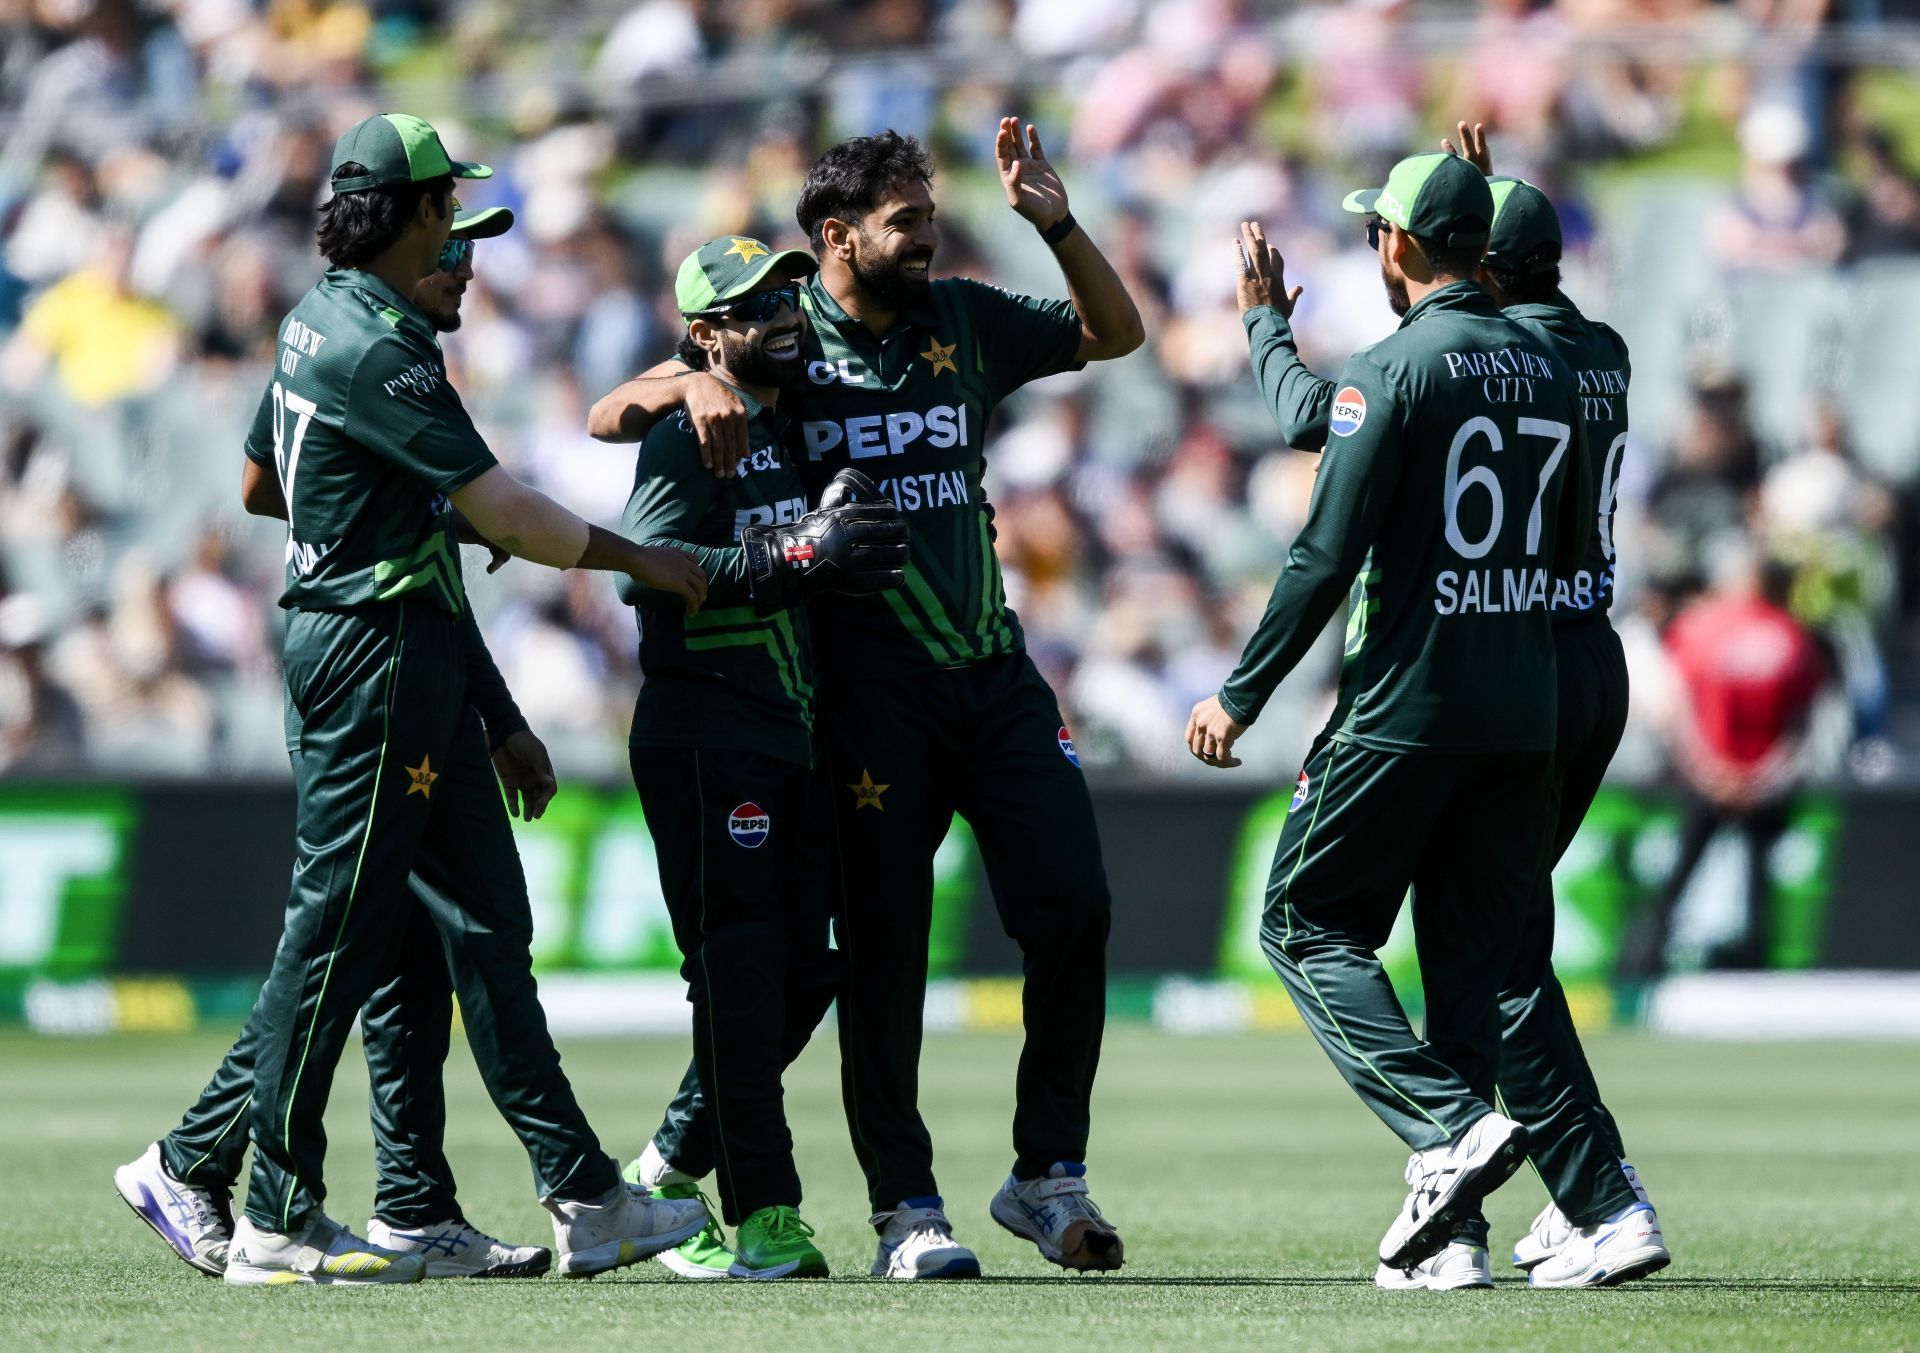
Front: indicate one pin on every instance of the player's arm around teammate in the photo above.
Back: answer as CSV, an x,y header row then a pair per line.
x,y
722,755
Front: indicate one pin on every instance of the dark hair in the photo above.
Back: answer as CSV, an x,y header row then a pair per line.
x,y
846,182
691,353
1526,288
1451,260
356,227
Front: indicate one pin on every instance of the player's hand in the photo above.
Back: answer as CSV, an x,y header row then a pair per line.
x,y
1472,147
666,569
496,557
1211,733
719,419
1032,185
526,774
1262,279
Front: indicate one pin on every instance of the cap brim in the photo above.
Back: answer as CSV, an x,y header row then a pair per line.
x,y
463,170
797,262
1360,201
483,224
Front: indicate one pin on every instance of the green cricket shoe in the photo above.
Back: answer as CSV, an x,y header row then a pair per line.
x,y
704,1256
775,1243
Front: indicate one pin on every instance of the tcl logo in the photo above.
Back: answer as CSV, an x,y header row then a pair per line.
x,y
826,373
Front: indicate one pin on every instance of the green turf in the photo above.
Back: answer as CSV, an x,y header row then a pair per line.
x,y
1249,1183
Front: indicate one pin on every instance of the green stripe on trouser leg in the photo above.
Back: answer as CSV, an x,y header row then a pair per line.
x,y
1461,832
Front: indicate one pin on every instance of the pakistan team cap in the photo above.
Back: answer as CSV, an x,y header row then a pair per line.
x,y
1526,229
483,224
1436,196
731,266
397,148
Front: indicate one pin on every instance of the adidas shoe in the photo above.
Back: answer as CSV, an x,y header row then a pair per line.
x,y
623,1227
322,1252
1459,1265
916,1241
1448,1183
197,1222
704,1256
1055,1213
775,1243
1625,1246
1551,1229
453,1249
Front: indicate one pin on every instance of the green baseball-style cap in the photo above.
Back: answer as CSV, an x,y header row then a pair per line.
x,y
731,266
481,225
397,148
1436,196
1526,229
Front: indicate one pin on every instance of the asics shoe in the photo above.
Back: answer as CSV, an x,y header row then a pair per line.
x,y
622,1227
197,1222
1055,1213
916,1241
1551,1229
1625,1246
1448,1183
775,1243
323,1251
704,1256
453,1249
1459,1265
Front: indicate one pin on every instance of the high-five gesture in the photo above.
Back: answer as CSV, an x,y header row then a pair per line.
x,y
1262,279
1033,187
1473,145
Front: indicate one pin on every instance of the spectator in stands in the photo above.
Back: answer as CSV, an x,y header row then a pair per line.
x,y
1777,221
41,728
1884,218
103,342
1704,495
1750,674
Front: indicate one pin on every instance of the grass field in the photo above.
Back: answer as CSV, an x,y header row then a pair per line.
x,y
1250,1185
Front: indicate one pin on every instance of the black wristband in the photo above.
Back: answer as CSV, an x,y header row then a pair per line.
x,y
1059,230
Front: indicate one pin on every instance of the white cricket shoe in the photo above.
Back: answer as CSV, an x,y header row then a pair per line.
x,y
197,1222
621,1228
1625,1246
322,1252
916,1241
1448,1183
453,1249
1055,1213
1551,1229
1459,1265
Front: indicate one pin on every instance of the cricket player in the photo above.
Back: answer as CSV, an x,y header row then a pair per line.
x,y
183,1185
373,451
929,703
722,752
1449,498
1545,1081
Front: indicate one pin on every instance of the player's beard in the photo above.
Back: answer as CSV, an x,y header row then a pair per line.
x,y
1397,296
750,365
444,321
887,281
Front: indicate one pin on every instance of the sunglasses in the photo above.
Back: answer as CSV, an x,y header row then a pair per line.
x,y
454,253
759,307
1374,227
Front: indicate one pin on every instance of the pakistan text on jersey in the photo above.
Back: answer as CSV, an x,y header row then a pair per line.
x,y
944,426
918,492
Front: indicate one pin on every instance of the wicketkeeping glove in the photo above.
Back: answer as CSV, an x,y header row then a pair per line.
x,y
855,541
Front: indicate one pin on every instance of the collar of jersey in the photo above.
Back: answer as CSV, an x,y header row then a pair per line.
x,y
367,282
1554,309
827,308
1468,296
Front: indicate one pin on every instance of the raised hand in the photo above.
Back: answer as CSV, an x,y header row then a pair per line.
x,y
1032,186
1473,145
1262,279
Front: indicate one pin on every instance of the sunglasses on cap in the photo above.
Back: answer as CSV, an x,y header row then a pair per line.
x,y
759,307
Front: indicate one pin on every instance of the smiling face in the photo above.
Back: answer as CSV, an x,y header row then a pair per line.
x,y
763,352
894,244
439,293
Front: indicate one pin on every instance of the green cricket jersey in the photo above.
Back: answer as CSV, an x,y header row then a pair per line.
x,y
1597,356
1301,403
1441,507
910,410
724,677
368,439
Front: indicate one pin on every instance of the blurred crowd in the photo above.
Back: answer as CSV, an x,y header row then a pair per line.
x,y
1734,186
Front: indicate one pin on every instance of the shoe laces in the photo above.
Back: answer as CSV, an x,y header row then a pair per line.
x,y
930,1225
786,1225
713,1213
